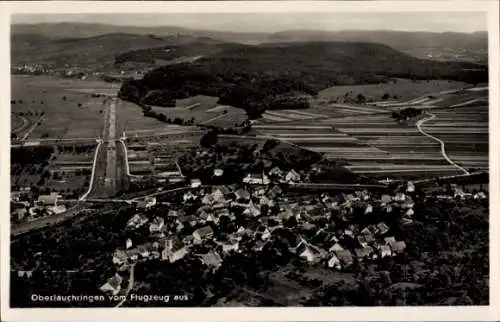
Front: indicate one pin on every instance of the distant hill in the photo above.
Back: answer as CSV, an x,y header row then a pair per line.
x,y
443,46
252,77
85,30
400,40
103,51
447,45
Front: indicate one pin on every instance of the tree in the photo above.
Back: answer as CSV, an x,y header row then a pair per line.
x,y
64,98
361,98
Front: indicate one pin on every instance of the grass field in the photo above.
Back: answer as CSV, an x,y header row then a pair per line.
x,y
403,89
66,113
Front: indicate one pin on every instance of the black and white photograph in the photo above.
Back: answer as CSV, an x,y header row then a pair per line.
x,y
229,159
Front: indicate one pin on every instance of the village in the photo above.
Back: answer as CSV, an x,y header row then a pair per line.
x,y
211,222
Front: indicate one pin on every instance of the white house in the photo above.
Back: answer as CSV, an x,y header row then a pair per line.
x,y
195,183
189,196
137,221
156,225
334,261
230,246
218,172
174,250
292,176
254,178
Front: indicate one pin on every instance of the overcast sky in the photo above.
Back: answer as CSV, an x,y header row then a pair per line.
x,y
272,22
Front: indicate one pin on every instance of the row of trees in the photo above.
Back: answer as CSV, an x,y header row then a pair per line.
x,y
149,112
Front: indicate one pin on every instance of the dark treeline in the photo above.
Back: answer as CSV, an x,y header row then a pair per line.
x,y
406,113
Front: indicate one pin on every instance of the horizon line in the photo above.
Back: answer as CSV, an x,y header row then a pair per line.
x,y
249,32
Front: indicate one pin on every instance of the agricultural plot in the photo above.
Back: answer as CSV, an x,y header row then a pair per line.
x,y
472,96
199,102
55,111
70,169
131,120
399,89
464,130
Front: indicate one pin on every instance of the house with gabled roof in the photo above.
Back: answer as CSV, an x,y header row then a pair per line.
x,y
398,247
334,262
174,250
252,210
480,195
335,248
274,192
218,172
229,246
156,225
137,221
389,240
242,195
202,234
112,285
276,172
195,183
48,200
208,199
172,213
400,197
120,257
211,259
292,177
381,228
385,251
364,253
146,250
345,257
256,178
385,199
189,196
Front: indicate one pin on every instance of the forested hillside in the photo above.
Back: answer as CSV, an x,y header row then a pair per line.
x,y
255,77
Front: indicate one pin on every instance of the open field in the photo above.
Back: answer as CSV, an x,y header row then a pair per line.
x,y
402,89
66,113
199,102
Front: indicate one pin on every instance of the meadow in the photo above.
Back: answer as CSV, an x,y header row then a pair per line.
x,y
61,111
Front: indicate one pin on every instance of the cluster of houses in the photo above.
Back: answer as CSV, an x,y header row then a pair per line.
x,y
317,235
45,205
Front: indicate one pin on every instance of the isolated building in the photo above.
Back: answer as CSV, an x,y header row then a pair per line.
x,y
48,200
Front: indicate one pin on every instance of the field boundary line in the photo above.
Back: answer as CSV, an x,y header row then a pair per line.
x,y
443,150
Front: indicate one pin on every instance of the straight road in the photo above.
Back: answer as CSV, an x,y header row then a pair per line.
x,y
108,175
